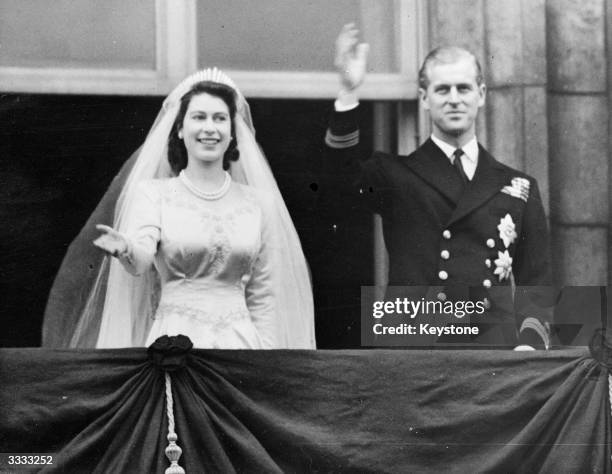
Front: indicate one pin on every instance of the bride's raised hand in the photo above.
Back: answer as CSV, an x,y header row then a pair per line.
x,y
112,242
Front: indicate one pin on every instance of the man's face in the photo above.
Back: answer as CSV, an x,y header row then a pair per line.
x,y
453,98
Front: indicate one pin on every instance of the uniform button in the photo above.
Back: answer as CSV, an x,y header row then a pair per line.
x,y
446,234
445,254
490,243
486,283
488,263
441,296
487,303
442,275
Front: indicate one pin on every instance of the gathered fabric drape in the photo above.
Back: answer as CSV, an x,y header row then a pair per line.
x,y
309,411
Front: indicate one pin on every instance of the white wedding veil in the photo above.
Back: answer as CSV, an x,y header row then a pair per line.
x,y
112,308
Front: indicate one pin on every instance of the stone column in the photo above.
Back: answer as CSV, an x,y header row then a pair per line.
x,y
460,23
578,130
608,30
515,43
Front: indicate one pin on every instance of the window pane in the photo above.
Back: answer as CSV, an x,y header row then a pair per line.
x,y
78,33
290,35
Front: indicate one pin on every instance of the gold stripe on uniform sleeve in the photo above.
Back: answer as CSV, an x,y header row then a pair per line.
x,y
537,326
341,141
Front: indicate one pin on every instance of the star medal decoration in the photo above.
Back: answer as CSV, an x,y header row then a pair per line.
x,y
503,265
507,230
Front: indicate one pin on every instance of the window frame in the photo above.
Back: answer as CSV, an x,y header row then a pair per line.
x,y
176,57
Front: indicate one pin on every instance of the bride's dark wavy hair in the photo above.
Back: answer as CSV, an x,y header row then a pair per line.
x,y
177,153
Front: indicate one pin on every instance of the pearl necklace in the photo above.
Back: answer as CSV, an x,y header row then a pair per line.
x,y
213,196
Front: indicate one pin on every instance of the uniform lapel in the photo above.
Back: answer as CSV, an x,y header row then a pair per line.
x,y
433,166
488,180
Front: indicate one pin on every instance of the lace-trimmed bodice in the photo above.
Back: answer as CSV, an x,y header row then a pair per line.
x,y
212,260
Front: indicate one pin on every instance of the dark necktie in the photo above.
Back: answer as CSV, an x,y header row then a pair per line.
x,y
459,166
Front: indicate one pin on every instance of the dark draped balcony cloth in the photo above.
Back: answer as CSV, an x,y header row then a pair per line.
x,y
362,411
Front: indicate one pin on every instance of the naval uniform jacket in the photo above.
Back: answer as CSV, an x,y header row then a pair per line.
x,y
443,235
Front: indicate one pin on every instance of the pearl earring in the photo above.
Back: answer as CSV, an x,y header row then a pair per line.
x,y
180,135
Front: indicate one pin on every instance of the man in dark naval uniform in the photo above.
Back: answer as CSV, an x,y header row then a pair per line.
x,y
454,218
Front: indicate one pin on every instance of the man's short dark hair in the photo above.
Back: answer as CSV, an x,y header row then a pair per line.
x,y
447,55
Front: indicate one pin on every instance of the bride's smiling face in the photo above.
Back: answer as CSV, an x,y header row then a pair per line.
x,y
206,128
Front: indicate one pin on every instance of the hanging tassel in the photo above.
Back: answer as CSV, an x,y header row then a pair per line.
x,y
173,450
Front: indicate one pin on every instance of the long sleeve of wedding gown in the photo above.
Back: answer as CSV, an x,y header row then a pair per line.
x,y
261,287
142,230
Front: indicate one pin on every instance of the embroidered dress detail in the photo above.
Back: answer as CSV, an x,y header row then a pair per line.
x,y
221,248
218,321
212,260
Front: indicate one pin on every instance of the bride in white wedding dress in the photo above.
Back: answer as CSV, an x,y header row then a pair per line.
x,y
201,242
